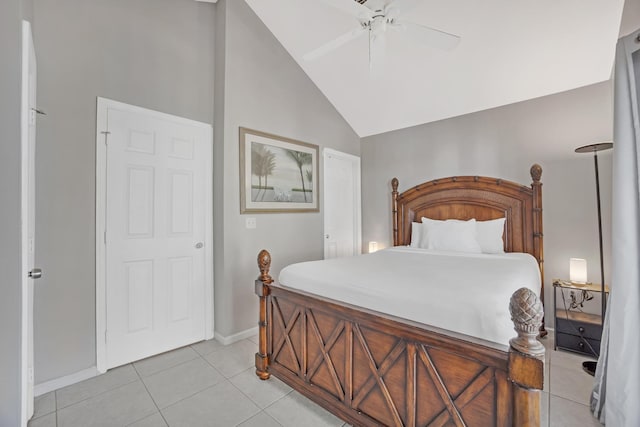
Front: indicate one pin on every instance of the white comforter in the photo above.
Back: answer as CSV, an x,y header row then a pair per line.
x,y
465,293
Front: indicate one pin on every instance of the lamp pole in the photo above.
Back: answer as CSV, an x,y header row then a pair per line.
x,y
589,366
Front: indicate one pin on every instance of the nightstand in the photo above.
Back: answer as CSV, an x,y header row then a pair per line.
x,y
574,330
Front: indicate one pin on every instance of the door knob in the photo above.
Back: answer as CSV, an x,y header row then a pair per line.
x,y
36,273
326,236
199,245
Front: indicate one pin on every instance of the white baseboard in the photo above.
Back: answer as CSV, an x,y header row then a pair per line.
x,y
51,385
236,337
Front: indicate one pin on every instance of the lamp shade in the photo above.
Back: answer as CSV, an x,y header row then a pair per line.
x,y
578,270
373,246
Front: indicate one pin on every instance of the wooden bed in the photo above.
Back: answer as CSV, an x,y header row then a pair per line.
x,y
369,368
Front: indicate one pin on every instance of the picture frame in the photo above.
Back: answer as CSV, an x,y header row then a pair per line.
x,y
277,174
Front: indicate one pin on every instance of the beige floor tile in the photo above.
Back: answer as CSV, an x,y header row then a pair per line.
x,y
566,413
154,420
567,359
94,386
118,407
547,375
220,405
572,384
262,419
262,393
155,364
234,358
295,410
48,420
208,346
44,404
544,410
177,383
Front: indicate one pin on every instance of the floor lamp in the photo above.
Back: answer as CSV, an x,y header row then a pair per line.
x,y
588,366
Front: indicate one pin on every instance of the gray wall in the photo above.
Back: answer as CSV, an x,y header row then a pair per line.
x,y
10,259
505,142
264,89
157,54
162,56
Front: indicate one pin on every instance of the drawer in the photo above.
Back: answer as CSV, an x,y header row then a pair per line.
x,y
577,344
584,329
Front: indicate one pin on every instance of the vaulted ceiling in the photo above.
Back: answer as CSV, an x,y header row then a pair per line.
x,y
509,51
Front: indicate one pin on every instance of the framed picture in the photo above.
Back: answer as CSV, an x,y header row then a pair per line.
x,y
277,174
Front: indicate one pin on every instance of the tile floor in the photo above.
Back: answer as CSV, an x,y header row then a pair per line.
x,y
208,384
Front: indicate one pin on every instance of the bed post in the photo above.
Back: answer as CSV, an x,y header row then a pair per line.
x,y
538,247
526,358
262,290
394,210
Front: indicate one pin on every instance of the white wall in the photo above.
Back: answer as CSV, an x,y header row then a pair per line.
x,y
157,54
264,89
504,142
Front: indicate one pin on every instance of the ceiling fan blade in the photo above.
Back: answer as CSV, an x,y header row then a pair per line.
x,y
350,7
334,44
393,8
429,36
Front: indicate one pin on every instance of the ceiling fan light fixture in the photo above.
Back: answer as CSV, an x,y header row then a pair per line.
x,y
378,26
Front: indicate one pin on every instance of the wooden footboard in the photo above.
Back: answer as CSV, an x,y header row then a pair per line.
x,y
372,369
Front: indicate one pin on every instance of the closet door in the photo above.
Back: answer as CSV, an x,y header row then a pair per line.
x,y
158,173
342,208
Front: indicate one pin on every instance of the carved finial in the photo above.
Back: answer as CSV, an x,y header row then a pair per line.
x,y
536,172
526,314
264,264
394,184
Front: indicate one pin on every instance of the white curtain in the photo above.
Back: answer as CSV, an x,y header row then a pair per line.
x,y
616,395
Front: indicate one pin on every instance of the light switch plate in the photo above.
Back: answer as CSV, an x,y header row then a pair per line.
x,y
250,222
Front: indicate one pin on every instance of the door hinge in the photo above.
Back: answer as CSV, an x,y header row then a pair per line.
x,y
106,134
32,115
104,235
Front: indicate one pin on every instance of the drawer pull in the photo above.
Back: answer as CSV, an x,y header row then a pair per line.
x,y
581,329
581,345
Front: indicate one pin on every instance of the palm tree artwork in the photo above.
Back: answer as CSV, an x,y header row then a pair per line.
x,y
263,163
301,159
309,175
277,174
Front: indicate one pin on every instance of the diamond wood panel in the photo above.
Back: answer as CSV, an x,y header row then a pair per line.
x,y
383,378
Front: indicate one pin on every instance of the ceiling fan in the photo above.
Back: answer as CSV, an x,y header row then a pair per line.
x,y
374,18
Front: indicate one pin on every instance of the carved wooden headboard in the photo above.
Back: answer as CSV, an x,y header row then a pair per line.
x,y
482,198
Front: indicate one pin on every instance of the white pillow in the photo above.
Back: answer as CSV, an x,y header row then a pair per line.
x,y
416,235
489,235
450,235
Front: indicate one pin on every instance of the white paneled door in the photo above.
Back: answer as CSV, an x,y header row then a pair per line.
x,y
28,214
157,235
342,222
